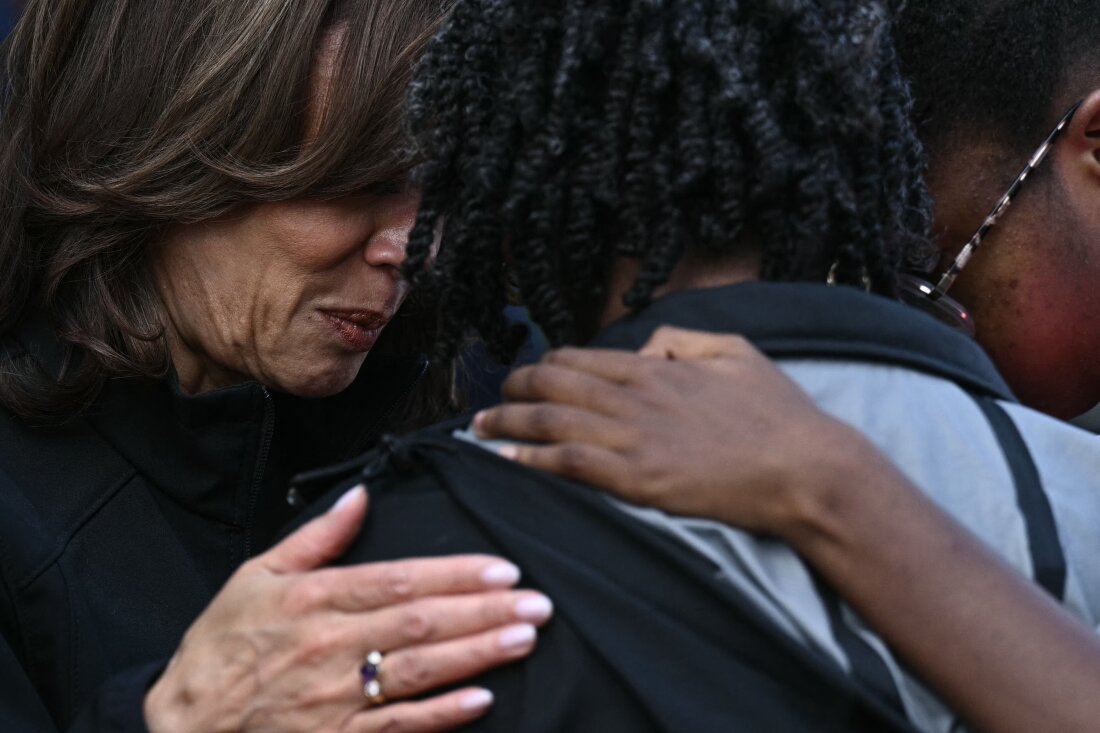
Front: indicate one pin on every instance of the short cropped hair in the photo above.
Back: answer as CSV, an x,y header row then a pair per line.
x,y
996,65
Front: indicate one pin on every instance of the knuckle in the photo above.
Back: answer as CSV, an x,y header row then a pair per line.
x,y
665,333
526,454
732,346
490,419
397,582
517,381
318,646
417,625
737,342
540,380
391,722
572,458
306,594
559,356
412,675
542,420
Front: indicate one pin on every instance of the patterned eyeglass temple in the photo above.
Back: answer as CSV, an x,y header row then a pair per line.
x,y
975,242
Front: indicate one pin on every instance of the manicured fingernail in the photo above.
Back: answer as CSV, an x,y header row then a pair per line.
x,y
500,575
476,700
535,609
347,498
518,636
510,452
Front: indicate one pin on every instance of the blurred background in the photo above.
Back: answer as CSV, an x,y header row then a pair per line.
x,y
9,11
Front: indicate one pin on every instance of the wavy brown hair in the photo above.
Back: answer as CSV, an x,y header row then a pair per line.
x,y
120,119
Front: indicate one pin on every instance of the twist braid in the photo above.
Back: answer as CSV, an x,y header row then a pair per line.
x,y
576,131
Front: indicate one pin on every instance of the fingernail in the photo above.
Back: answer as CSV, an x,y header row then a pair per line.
x,y
535,609
500,575
518,636
347,498
510,452
476,700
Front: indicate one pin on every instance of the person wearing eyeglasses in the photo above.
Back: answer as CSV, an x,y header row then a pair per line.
x,y
1007,104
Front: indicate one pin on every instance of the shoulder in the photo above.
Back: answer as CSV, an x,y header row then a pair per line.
x,y
51,478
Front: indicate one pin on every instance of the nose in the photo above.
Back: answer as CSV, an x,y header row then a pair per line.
x,y
386,247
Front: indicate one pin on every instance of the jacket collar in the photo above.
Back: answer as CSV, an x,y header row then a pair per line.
x,y
808,320
210,452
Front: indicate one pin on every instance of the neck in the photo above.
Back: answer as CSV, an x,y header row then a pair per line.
x,y
692,273
195,372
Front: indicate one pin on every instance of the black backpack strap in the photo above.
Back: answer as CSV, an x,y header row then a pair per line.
x,y
1047,556
866,664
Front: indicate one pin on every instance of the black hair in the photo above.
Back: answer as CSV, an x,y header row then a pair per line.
x,y
559,134
996,66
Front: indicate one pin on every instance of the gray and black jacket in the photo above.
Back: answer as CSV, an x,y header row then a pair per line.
x,y
674,624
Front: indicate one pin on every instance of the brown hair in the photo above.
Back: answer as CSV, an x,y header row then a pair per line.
x,y
122,118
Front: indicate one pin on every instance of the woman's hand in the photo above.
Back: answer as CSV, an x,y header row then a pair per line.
x,y
696,424
281,646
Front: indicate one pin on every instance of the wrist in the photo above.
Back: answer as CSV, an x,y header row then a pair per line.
x,y
821,495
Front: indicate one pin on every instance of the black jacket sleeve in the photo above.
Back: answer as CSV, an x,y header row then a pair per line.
x,y
20,707
116,708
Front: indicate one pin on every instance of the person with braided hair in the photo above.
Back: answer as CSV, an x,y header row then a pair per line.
x,y
992,79
750,167
755,149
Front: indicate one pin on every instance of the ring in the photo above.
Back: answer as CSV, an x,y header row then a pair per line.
x,y
372,686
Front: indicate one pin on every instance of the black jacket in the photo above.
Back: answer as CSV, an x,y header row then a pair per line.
x,y
117,529
646,636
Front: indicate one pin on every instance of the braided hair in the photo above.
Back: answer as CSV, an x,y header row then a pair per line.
x,y
560,134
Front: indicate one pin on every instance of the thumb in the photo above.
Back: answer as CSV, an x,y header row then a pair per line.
x,y
323,539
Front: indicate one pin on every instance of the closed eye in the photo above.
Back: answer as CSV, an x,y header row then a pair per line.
x,y
389,187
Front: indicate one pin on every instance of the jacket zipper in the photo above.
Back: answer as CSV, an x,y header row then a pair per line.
x,y
266,434
297,497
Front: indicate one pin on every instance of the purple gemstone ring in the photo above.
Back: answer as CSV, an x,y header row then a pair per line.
x,y
369,672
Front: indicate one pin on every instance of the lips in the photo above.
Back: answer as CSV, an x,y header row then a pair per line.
x,y
358,330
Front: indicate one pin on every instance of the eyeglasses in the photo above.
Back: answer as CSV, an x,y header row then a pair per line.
x,y
934,300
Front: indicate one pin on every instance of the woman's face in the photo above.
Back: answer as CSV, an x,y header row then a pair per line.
x,y
292,294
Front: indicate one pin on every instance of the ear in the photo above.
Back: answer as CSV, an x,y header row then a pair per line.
x,y
1082,138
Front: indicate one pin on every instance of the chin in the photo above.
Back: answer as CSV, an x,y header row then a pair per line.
x,y
323,380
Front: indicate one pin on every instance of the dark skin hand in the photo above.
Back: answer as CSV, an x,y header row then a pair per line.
x,y
705,425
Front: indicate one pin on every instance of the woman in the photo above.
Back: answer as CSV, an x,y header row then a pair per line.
x,y
205,215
